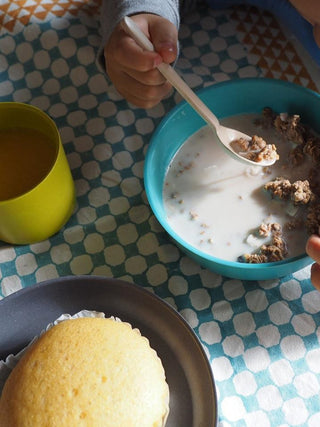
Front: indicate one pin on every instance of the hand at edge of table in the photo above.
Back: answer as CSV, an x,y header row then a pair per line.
x,y
313,250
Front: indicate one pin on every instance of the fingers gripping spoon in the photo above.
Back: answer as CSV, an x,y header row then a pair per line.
x,y
225,135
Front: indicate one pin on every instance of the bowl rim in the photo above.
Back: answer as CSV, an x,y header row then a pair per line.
x,y
164,223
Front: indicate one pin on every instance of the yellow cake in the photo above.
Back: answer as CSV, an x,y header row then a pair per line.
x,y
92,372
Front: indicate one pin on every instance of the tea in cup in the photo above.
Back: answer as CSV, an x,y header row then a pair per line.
x,y
37,193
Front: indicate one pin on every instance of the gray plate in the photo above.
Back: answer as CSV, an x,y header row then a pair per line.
x,y
192,391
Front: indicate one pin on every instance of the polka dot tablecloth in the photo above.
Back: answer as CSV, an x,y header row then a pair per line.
x,y
262,338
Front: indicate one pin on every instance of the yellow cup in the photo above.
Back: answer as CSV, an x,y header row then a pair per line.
x,y
33,206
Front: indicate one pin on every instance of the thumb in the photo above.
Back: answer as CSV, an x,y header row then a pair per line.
x,y
164,36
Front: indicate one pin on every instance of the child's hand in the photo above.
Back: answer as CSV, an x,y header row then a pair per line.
x,y
310,10
132,70
313,250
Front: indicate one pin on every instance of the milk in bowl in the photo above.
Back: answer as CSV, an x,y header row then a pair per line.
x,y
223,208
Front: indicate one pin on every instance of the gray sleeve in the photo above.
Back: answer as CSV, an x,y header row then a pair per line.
x,y
113,11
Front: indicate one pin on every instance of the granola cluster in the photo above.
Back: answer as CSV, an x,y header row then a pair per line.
x,y
299,193
276,250
255,149
291,128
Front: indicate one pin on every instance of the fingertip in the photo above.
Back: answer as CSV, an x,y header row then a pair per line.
x,y
168,52
164,36
314,239
313,247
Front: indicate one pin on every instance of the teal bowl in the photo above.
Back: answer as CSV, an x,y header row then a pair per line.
x,y
225,99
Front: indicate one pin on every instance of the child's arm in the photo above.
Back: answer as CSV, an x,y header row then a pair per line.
x,y
310,10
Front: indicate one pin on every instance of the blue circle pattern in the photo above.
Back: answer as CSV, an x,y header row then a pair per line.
x,y
262,338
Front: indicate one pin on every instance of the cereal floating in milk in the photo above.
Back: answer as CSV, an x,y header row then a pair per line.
x,y
251,214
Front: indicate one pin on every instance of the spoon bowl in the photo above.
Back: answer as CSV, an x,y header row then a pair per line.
x,y
224,135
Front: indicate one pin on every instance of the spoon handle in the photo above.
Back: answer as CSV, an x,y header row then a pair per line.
x,y
131,28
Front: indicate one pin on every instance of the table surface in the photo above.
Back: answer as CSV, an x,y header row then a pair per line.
x,y
262,337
